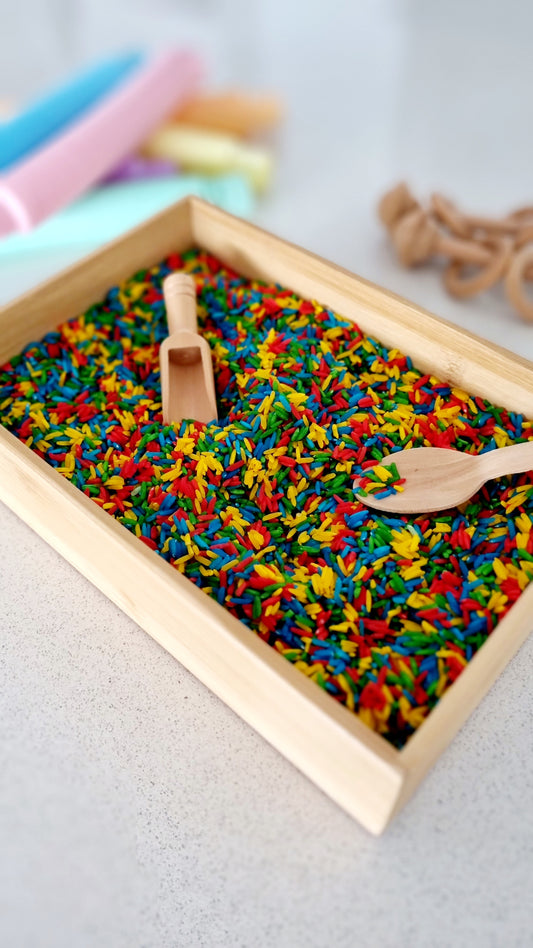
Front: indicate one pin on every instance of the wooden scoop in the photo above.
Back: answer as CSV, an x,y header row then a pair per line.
x,y
187,381
438,478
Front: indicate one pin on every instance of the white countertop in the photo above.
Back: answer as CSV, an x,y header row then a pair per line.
x,y
136,809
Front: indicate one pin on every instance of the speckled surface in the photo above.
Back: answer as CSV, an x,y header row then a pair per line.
x,y
139,811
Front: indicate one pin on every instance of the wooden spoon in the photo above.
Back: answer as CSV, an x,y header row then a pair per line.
x,y
438,478
187,381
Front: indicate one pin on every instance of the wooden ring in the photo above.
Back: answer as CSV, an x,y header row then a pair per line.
x,y
475,227
484,277
520,270
395,204
447,213
465,251
521,217
523,236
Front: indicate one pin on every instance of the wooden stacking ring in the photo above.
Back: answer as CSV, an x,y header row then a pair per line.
x,y
395,204
522,217
524,236
520,270
417,237
485,276
466,225
447,213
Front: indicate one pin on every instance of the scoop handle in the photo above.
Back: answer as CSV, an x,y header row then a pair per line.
x,y
514,459
179,291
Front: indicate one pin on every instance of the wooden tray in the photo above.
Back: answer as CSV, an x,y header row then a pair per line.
x,y
358,768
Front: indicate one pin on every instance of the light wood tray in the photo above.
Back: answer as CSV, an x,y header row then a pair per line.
x,y
356,767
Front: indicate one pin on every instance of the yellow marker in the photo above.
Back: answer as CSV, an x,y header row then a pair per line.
x,y
205,152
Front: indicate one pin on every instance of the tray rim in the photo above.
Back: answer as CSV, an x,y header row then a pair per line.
x,y
358,768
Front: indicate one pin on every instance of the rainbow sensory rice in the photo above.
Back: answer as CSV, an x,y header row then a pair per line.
x,y
258,509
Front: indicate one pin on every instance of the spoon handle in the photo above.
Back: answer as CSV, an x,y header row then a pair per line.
x,y
514,459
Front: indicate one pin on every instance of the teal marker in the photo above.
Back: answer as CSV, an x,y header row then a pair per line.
x,y
109,211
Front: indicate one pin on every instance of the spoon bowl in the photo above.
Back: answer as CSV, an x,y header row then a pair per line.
x,y
439,478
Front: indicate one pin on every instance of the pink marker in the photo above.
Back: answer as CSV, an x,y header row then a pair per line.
x,y
81,156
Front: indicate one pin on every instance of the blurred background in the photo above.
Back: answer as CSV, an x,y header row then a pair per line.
x,y
192,830
374,91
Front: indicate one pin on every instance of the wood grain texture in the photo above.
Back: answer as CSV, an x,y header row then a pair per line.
x,y
362,772
356,767
458,703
